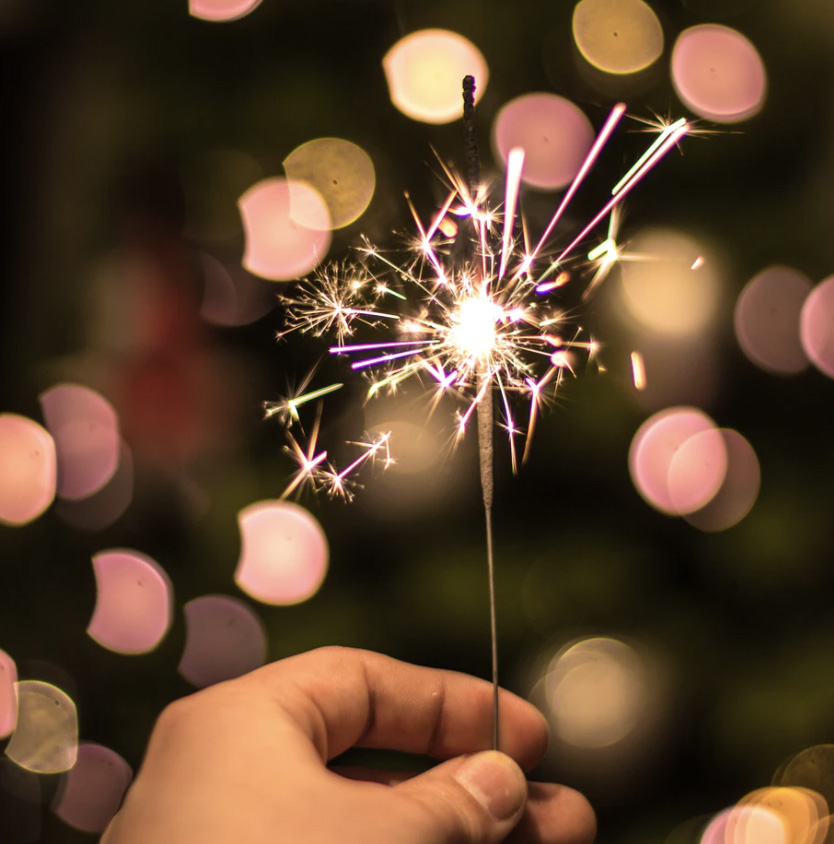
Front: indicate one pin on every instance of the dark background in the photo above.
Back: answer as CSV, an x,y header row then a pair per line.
x,y
107,107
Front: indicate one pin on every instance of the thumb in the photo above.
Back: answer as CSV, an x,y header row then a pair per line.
x,y
475,799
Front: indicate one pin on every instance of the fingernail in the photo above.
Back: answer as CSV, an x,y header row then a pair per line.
x,y
495,781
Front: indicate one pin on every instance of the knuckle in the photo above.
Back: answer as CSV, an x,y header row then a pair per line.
x,y
177,715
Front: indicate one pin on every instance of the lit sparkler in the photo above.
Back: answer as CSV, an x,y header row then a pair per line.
x,y
469,313
475,326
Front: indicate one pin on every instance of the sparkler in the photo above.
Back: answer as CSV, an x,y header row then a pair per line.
x,y
469,313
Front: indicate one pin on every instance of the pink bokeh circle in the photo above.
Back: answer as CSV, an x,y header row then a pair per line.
x,y
739,489
278,247
133,609
766,319
553,132
816,326
224,638
221,10
90,793
718,73
284,553
28,469
652,455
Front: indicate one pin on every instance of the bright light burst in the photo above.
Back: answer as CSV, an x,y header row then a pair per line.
x,y
469,312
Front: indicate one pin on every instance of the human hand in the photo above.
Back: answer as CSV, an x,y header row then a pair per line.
x,y
245,761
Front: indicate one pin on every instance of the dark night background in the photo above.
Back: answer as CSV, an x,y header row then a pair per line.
x,y
108,112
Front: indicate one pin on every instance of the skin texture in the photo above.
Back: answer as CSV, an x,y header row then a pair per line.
x,y
246,761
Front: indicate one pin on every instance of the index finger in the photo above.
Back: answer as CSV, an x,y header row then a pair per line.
x,y
341,698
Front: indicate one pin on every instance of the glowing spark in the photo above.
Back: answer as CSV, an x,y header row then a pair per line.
x,y
697,263
638,371
287,410
309,471
515,163
547,286
473,325
337,481
605,255
665,133
606,252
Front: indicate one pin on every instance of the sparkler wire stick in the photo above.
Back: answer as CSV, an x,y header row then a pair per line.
x,y
485,406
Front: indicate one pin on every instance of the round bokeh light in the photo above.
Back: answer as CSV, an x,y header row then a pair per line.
x,y
596,691
284,553
738,491
554,134
85,428
8,696
278,247
221,10
340,171
798,810
424,72
617,36
133,602
652,455
28,469
224,638
45,739
104,507
767,316
718,73
91,792
697,471
816,326
667,286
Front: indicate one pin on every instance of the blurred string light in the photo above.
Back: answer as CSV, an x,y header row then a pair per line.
x,y
8,696
224,638
221,10
767,319
28,469
85,428
667,284
134,597
423,71
553,132
817,326
617,36
283,555
718,73
45,738
682,464
278,247
340,171
90,793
